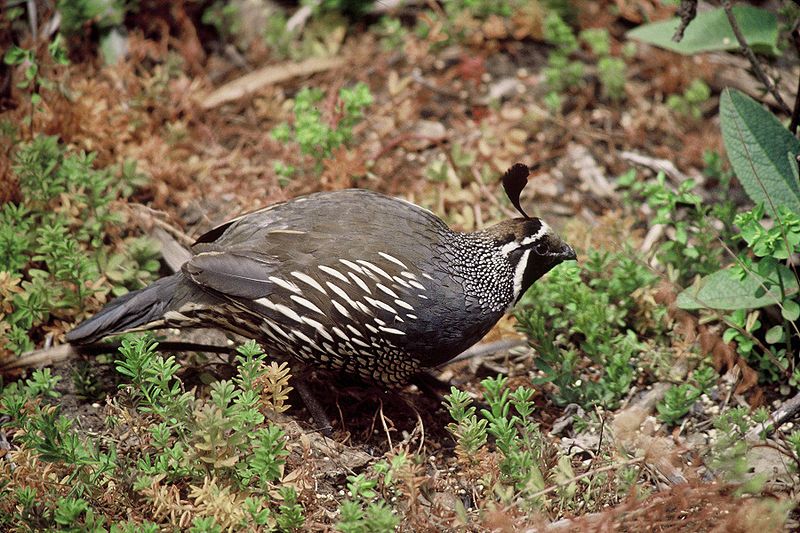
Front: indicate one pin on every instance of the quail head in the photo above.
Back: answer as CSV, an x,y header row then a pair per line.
x,y
352,280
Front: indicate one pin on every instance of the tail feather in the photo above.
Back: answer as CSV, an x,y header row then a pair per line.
x,y
138,310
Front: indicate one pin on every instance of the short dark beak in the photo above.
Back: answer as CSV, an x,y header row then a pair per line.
x,y
568,253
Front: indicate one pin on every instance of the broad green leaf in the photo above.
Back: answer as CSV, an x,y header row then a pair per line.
x,y
774,334
757,146
791,310
722,290
711,31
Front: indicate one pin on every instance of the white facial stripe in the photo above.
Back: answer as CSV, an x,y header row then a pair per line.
x,y
519,272
545,229
509,247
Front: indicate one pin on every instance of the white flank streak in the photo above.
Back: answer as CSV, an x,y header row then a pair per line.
x,y
380,305
339,307
364,309
422,296
354,330
360,283
408,274
340,333
277,328
268,332
266,303
424,275
387,290
518,273
308,279
302,336
418,285
377,270
412,317
319,327
351,265
306,303
393,259
288,311
360,343
392,331
538,235
404,305
335,273
288,285
339,291
380,322
400,281
372,328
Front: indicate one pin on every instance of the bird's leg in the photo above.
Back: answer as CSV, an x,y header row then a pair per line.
x,y
314,407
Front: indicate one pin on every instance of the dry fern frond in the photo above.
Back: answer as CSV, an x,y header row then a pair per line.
x,y
274,384
218,501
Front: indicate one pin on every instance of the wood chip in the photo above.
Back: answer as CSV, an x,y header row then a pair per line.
x,y
269,75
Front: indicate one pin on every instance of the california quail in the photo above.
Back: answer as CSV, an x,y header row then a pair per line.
x,y
354,280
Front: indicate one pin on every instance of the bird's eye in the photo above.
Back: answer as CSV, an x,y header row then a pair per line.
x,y
541,249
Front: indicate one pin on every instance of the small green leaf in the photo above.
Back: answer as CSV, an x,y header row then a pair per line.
x,y
790,310
722,290
774,334
711,31
757,146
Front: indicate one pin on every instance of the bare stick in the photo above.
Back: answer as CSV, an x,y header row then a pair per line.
x,y
563,484
751,56
61,352
687,11
776,418
796,110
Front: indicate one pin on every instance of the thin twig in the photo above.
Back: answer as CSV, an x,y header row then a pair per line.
x,y
751,56
780,415
385,427
687,11
487,348
796,110
61,352
606,468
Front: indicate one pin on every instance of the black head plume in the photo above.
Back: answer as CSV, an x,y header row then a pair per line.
x,y
514,180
